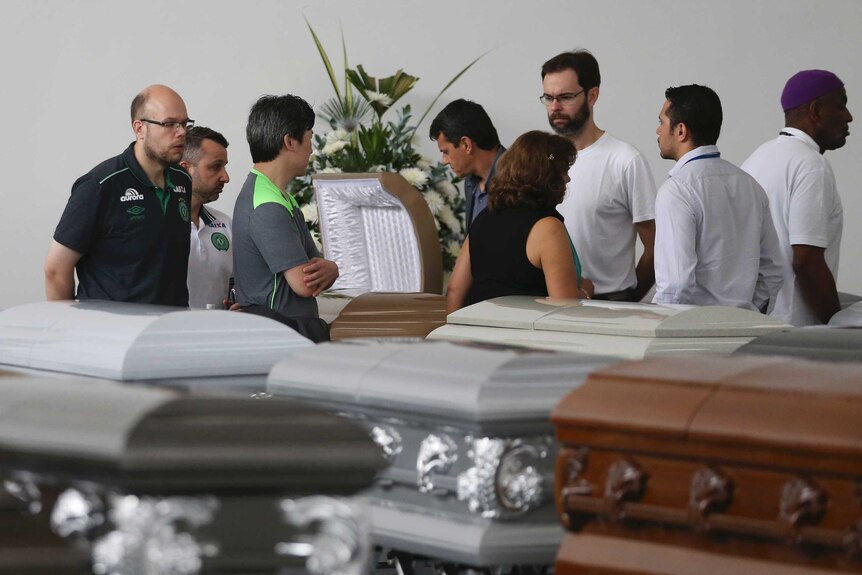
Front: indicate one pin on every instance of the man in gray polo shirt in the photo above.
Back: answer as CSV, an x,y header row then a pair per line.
x,y
277,266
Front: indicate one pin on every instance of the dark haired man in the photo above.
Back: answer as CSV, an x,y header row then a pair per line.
x,y
715,242
803,197
210,254
610,200
125,229
469,144
277,266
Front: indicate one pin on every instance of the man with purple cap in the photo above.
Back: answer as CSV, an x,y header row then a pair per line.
x,y
803,198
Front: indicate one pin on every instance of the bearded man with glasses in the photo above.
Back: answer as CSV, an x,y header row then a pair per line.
x,y
125,229
610,200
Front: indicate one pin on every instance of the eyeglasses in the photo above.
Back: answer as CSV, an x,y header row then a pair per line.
x,y
563,99
173,124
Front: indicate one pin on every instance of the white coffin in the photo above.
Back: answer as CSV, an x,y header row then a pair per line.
x,y
626,330
452,419
132,342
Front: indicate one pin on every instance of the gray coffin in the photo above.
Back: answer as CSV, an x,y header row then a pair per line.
x,y
203,483
626,330
824,343
212,349
467,430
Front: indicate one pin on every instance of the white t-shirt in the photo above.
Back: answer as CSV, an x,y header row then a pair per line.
x,y
806,210
715,243
612,188
210,259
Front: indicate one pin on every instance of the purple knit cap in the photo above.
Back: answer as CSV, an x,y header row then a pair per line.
x,y
807,85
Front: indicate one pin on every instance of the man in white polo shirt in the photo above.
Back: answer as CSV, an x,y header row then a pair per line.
x,y
806,208
210,254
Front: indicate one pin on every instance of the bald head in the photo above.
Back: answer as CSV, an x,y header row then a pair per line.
x,y
156,96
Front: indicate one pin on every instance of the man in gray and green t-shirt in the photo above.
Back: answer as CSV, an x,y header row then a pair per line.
x,y
277,267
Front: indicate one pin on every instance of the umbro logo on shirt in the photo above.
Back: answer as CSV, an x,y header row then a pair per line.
x,y
131,195
180,189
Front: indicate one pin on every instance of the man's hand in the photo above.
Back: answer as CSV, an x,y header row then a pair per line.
x,y
319,275
587,288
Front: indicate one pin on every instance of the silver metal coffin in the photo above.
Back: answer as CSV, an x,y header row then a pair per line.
x,y
159,481
625,330
212,349
467,431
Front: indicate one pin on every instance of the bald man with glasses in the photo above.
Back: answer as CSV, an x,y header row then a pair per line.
x,y
125,229
610,200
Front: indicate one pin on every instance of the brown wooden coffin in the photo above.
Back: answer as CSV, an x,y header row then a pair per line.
x,y
712,465
399,315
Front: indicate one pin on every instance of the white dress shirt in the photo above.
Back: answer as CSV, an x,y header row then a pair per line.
x,y
715,242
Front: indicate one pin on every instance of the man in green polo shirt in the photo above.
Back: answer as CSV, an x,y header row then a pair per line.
x,y
277,267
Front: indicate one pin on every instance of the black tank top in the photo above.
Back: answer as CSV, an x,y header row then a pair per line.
x,y
498,254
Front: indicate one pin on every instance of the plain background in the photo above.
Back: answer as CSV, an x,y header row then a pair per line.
x,y
70,70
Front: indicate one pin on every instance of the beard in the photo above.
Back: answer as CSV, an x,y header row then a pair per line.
x,y
574,124
168,156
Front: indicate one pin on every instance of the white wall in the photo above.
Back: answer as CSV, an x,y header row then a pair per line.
x,y
70,69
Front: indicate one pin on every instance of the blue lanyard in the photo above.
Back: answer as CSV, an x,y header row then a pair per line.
x,y
703,157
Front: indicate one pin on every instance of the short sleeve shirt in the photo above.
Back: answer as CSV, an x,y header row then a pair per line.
x,y
611,189
270,236
133,236
210,259
806,210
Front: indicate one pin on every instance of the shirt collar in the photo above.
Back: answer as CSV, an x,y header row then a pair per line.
x,y
803,137
476,180
135,167
206,217
700,151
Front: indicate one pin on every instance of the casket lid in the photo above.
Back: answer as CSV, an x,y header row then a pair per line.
x,y
703,404
615,318
378,314
851,316
817,342
476,383
125,341
149,440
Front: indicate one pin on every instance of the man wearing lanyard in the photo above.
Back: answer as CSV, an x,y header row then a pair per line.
x,y
803,197
715,242
469,145
125,229
277,266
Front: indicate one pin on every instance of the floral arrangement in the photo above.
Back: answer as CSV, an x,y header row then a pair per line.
x,y
360,140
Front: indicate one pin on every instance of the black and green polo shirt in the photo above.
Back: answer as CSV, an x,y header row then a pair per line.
x,y
134,236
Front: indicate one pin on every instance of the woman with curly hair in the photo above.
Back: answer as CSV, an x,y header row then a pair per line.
x,y
519,244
